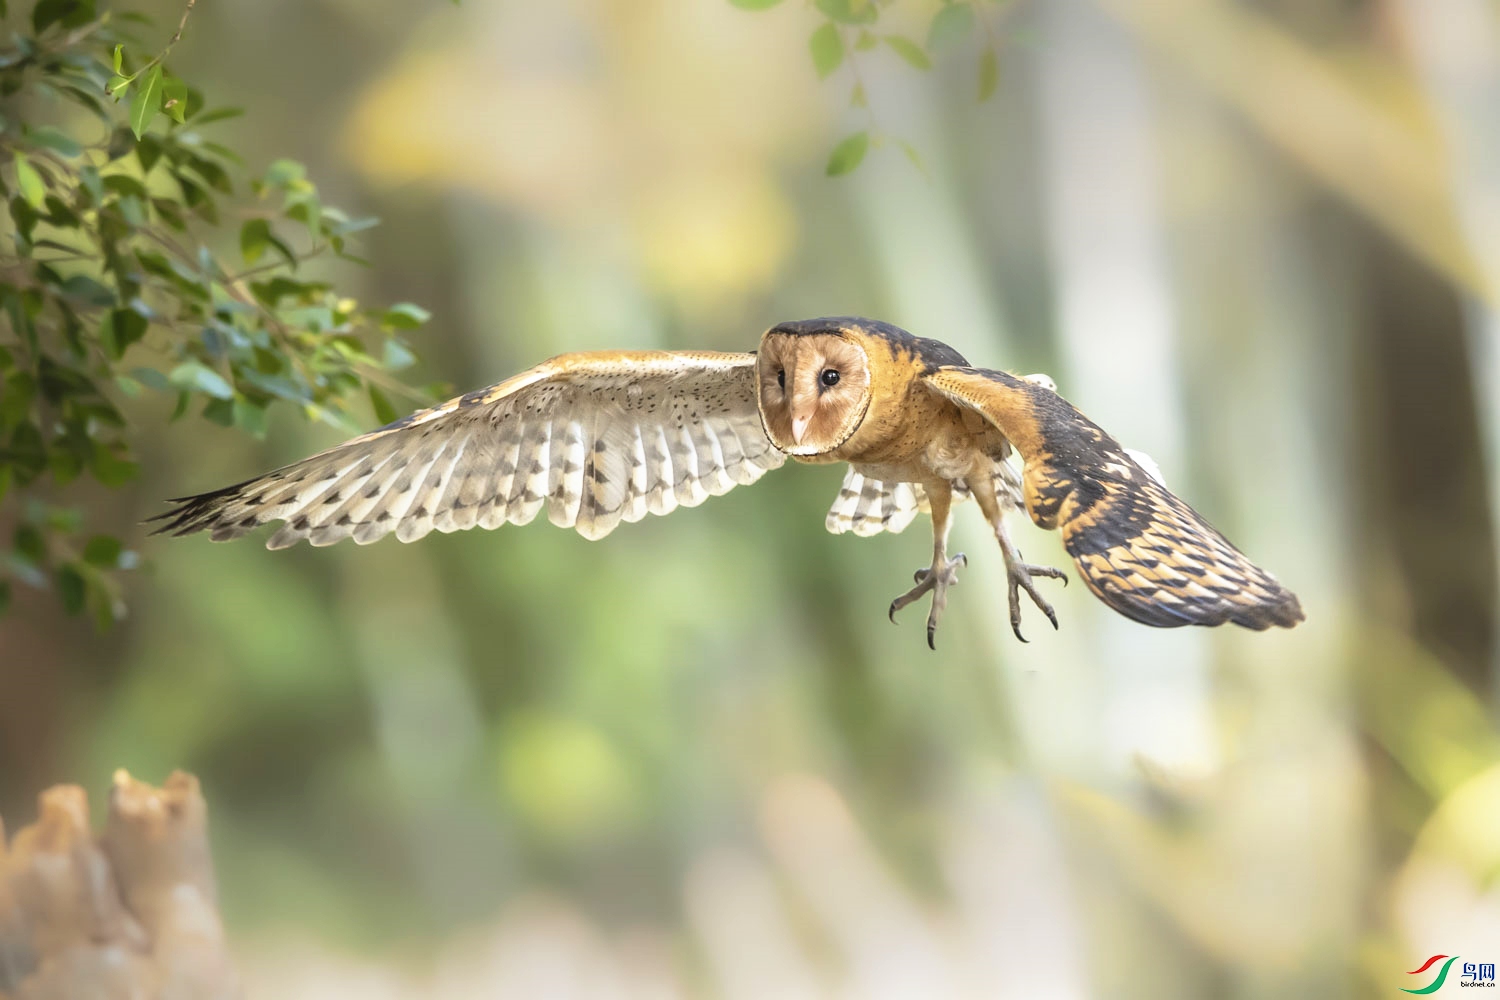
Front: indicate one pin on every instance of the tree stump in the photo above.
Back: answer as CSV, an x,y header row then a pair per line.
x,y
130,914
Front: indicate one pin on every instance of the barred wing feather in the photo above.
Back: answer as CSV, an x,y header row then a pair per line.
x,y
592,438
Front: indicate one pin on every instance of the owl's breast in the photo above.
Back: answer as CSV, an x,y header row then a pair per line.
x,y
919,436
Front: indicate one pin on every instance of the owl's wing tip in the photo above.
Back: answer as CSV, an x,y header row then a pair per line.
x,y
1284,612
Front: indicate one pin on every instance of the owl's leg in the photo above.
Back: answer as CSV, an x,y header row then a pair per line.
x,y
1018,572
943,572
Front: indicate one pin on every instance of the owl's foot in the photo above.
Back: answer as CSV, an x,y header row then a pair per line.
x,y
1020,575
936,578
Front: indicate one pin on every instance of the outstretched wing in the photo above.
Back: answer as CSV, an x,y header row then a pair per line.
x,y
1141,549
595,438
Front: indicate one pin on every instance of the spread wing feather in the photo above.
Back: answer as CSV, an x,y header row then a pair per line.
x,y
869,506
594,439
1139,548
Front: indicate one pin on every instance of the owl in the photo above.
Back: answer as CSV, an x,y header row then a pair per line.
x,y
602,437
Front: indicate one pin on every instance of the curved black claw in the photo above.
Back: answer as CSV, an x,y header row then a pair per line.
x,y
1020,575
935,579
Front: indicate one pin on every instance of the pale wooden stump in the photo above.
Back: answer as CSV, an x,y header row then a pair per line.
x,y
129,915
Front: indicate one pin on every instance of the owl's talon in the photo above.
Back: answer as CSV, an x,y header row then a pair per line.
x,y
1020,575
936,579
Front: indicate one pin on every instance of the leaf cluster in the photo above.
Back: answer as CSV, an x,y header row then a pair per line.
x,y
852,27
114,283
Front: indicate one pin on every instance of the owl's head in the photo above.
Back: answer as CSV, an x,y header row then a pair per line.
x,y
812,385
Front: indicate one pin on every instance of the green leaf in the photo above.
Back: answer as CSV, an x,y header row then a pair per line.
x,y
220,411
848,154
283,173
119,62
55,140
71,588
152,378
174,98
949,25
101,601
146,102
195,376
849,11
112,470
250,417
827,47
755,4
121,328
255,236
68,13
116,84
30,182
989,75
397,356
909,50
405,316
102,551
88,291
217,115
29,544
384,411
335,223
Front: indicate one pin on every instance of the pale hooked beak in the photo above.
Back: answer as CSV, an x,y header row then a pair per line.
x,y
799,427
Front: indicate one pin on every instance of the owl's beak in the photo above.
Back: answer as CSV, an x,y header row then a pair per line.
x,y
799,427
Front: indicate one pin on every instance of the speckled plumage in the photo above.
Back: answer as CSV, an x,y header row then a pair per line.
x,y
592,439
595,439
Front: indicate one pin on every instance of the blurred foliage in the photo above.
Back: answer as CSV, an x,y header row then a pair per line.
x,y
855,27
114,281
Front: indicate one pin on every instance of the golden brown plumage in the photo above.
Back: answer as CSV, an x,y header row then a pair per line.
x,y
1141,549
605,437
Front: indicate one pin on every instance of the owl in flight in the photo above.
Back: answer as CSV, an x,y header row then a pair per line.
x,y
608,436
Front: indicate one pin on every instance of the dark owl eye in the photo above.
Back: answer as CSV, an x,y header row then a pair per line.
x,y
781,378
830,376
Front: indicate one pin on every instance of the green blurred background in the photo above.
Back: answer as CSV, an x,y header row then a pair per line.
x,y
1258,240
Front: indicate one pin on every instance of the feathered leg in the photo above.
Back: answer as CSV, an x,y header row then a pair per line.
x,y
943,572
1018,572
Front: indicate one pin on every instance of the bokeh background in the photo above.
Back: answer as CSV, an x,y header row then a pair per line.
x,y
1258,239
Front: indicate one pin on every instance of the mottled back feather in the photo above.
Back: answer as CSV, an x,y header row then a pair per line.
x,y
594,439
1140,548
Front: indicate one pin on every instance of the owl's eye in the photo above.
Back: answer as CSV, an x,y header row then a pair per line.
x,y
781,378
830,376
